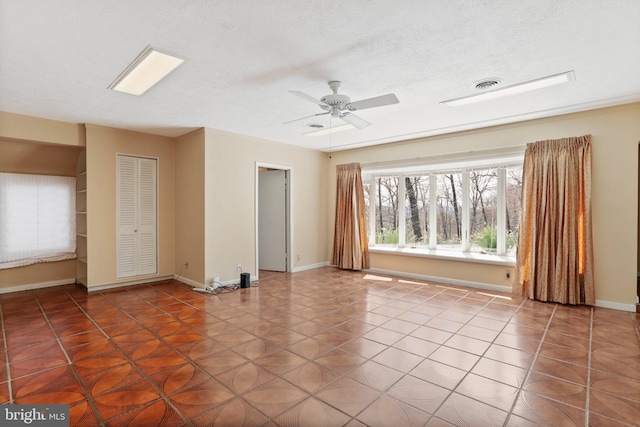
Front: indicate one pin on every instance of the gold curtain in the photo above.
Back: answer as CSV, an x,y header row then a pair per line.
x,y
555,246
350,248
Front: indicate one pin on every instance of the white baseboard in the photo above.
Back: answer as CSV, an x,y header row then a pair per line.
x,y
237,281
309,267
195,284
616,305
130,283
466,283
490,287
40,285
188,281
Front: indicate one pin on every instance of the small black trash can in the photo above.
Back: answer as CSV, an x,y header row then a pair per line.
x,y
245,280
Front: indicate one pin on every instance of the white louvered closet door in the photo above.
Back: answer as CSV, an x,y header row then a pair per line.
x,y
136,216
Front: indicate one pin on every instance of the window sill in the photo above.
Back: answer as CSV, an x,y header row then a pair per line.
x,y
445,255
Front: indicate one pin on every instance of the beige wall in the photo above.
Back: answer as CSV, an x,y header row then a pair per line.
x,y
102,146
18,126
464,271
190,194
230,168
38,158
615,135
37,275
57,155
206,200
217,195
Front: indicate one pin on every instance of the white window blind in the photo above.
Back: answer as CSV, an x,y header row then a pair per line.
x,y
37,219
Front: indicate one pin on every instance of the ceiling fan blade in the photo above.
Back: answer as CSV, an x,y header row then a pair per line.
x,y
354,120
306,117
376,101
308,98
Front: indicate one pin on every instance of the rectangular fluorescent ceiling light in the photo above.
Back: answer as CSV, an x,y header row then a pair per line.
x,y
145,71
329,130
513,90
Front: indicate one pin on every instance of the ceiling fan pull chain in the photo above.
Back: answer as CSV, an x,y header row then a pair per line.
x,y
330,136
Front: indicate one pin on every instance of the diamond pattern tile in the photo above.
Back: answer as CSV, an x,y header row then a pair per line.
x,y
320,347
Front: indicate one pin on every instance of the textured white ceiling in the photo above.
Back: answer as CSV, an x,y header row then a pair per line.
x,y
57,58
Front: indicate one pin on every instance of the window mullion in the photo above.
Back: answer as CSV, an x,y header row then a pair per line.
x,y
372,210
464,205
501,244
433,199
402,211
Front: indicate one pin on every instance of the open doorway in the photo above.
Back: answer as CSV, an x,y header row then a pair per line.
x,y
273,219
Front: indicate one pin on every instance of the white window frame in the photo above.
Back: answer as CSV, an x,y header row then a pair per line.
x,y
464,166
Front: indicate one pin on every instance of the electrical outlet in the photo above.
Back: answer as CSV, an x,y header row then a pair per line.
x,y
239,267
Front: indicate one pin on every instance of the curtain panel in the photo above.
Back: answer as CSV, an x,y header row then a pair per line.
x,y
555,246
350,248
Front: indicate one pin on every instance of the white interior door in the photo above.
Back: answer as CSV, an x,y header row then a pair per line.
x,y
136,216
272,221
126,216
147,218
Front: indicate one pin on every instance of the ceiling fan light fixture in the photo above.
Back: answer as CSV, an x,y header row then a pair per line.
x,y
531,85
145,71
329,130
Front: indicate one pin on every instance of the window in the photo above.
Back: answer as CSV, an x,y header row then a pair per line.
x,y
37,219
449,211
386,218
465,206
417,210
483,206
513,202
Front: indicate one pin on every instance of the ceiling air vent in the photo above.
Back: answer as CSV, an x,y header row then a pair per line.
x,y
486,84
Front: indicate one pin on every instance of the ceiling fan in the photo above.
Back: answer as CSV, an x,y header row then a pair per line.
x,y
338,105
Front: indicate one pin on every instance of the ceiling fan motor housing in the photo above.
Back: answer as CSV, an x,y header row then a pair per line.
x,y
336,100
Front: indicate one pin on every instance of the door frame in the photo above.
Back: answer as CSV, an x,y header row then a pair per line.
x,y
288,214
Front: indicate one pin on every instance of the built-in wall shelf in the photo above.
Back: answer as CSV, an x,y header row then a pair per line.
x,y
81,220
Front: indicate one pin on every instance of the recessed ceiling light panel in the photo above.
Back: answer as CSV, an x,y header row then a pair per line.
x,y
513,90
146,70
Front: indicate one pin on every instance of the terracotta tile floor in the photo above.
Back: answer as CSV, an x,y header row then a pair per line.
x,y
322,347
